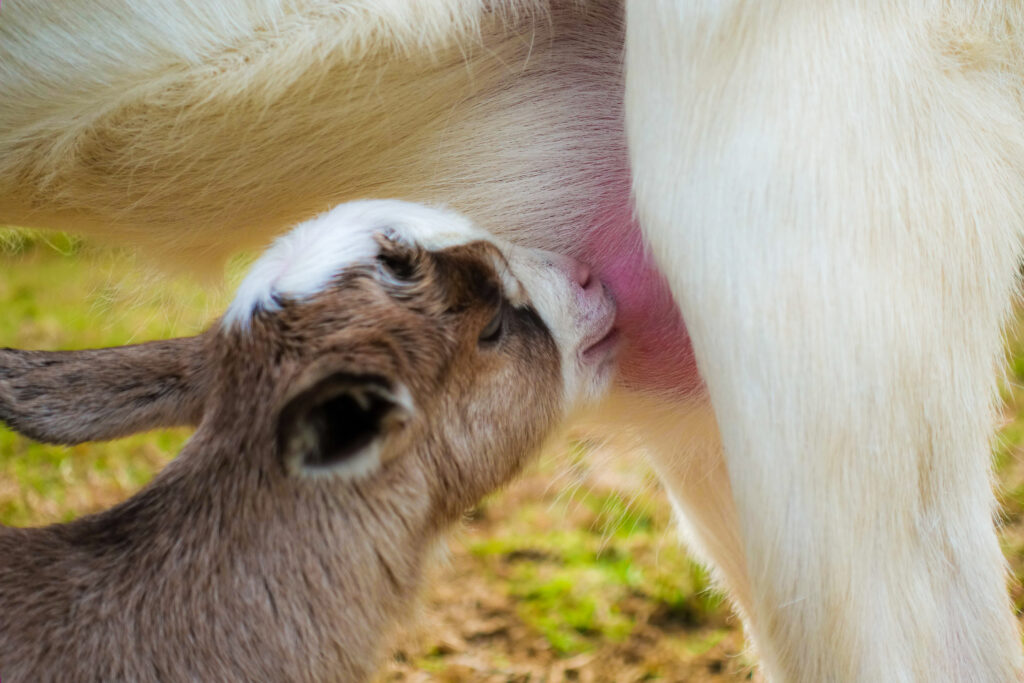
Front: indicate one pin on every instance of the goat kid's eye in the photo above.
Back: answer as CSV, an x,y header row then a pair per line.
x,y
492,332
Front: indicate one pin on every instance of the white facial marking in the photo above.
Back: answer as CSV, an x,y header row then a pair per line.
x,y
577,317
300,263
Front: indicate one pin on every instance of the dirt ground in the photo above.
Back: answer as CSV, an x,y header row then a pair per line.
x,y
471,626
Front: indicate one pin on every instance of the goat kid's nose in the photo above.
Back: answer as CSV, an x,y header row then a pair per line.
x,y
577,272
581,274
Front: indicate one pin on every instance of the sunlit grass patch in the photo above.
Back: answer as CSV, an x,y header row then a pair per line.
x,y
1009,460
57,293
43,484
608,565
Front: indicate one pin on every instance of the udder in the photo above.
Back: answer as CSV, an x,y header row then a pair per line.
x,y
656,354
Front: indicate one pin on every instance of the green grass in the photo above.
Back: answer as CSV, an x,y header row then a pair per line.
x,y
57,293
570,584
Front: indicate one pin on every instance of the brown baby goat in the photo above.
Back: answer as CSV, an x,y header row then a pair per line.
x,y
382,368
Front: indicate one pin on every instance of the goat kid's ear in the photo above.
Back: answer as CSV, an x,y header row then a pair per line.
x,y
69,397
337,424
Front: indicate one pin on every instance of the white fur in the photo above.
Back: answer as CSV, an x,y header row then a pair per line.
x,y
575,321
834,190
359,466
836,194
302,262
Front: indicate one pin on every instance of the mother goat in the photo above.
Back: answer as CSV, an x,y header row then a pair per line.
x,y
834,191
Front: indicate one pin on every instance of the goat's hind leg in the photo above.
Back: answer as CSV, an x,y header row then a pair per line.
x,y
837,204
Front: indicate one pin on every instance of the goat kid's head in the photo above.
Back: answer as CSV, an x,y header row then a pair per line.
x,y
372,332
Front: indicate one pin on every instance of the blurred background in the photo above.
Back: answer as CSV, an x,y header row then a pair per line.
x,y
573,573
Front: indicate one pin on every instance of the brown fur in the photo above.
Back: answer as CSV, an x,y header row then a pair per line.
x,y
230,566
159,384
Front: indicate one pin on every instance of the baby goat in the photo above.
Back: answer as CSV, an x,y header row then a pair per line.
x,y
382,368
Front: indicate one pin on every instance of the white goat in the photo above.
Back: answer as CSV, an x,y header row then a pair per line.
x,y
833,190
382,368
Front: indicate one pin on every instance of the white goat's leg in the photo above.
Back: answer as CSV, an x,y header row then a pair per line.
x,y
681,439
835,194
